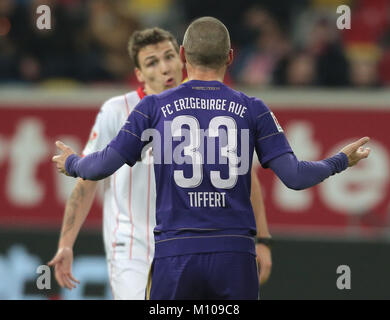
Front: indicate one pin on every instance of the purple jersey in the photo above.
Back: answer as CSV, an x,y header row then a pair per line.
x,y
204,134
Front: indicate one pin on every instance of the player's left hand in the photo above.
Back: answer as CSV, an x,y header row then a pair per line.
x,y
264,258
356,152
62,263
60,160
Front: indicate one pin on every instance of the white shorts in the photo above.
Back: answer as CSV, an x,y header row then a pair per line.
x,y
128,278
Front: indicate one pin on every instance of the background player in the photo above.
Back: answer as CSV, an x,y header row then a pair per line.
x,y
129,195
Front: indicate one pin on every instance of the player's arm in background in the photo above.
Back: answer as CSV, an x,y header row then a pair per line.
x,y
263,252
77,208
80,201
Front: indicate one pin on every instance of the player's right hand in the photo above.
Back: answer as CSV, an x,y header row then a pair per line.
x,y
60,159
355,151
62,263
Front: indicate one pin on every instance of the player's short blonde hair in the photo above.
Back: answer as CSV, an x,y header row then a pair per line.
x,y
207,43
143,38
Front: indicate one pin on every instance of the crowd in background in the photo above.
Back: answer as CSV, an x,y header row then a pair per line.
x,y
282,43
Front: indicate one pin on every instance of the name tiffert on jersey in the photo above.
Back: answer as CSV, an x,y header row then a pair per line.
x,y
204,104
207,199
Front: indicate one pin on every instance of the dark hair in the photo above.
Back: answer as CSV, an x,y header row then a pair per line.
x,y
207,43
143,38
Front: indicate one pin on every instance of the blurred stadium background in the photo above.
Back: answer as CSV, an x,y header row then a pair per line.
x,y
326,86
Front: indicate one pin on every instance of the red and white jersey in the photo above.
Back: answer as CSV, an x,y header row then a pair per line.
x,y
129,200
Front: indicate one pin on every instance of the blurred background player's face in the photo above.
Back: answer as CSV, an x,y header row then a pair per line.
x,y
160,67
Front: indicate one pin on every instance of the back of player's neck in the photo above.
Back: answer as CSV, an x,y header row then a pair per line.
x,y
205,74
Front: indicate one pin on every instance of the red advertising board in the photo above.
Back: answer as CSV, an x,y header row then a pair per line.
x,y
357,199
33,193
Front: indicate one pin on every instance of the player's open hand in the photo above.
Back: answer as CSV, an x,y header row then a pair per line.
x,y
60,160
356,152
62,263
263,253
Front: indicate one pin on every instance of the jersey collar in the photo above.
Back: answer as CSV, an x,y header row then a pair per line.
x,y
141,92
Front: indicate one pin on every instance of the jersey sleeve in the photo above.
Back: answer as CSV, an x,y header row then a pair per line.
x,y
102,131
129,143
270,140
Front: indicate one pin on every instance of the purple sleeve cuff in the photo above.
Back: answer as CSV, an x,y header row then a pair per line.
x,y
69,164
339,162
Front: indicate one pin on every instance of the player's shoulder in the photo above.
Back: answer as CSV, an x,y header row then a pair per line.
x,y
124,102
241,95
255,104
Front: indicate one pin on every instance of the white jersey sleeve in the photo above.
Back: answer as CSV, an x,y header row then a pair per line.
x,y
107,124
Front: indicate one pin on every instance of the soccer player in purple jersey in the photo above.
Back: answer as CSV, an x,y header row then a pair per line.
x,y
204,135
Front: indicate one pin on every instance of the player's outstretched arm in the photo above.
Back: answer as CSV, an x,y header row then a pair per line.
x,y
263,252
76,210
95,166
300,175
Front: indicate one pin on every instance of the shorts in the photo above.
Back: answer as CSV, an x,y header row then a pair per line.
x,y
128,278
216,276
